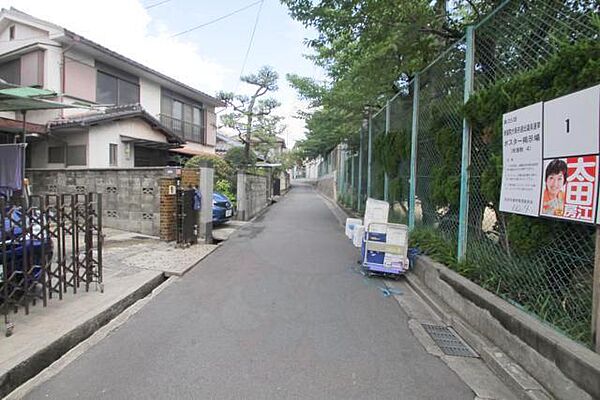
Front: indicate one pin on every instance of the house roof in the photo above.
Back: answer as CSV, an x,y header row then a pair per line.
x,y
115,114
16,126
75,39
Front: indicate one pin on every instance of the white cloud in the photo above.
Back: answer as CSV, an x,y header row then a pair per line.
x,y
128,32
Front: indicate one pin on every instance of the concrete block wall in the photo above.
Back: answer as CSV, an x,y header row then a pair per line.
x,y
130,197
253,194
327,185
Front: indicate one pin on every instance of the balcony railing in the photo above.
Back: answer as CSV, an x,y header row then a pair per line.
x,y
188,130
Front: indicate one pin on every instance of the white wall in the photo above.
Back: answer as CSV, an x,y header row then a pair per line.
x,y
53,68
102,135
150,96
100,138
211,127
39,150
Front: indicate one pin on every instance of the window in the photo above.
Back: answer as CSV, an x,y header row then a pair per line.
x,y
11,71
112,155
11,32
129,93
113,90
76,155
56,155
197,125
177,116
182,115
106,89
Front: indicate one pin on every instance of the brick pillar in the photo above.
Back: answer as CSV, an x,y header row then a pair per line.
x,y
168,210
190,178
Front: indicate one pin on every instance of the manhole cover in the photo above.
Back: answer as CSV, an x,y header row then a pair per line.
x,y
448,341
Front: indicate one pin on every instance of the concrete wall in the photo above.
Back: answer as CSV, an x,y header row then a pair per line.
x,y
211,127
327,185
253,194
565,368
130,197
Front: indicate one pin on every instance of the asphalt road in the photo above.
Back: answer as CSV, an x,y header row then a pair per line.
x,y
276,313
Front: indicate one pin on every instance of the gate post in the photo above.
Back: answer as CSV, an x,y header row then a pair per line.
x,y
206,191
241,196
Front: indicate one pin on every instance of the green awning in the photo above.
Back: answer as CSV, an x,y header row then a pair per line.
x,y
29,92
10,102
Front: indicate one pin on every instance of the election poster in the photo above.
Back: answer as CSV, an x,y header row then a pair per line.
x,y
522,160
571,148
551,155
570,187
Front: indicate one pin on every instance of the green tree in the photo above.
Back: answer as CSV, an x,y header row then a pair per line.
x,y
252,116
238,159
370,49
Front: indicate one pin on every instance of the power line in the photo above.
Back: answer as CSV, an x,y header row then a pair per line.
x,y
156,4
218,19
251,38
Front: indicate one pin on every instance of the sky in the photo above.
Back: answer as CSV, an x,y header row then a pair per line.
x,y
210,58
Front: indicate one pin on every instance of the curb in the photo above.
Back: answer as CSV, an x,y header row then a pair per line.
x,y
28,369
513,375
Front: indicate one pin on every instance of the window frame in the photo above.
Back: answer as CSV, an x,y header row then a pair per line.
x,y
118,86
68,162
62,153
192,128
113,154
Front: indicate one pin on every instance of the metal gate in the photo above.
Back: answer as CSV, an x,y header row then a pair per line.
x,y
276,187
187,228
50,246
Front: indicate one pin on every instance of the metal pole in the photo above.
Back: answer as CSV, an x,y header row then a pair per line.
x,y
413,154
360,153
386,178
596,295
463,219
352,182
370,155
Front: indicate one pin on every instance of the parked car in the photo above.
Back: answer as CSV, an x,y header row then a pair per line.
x,y
222,208
12,247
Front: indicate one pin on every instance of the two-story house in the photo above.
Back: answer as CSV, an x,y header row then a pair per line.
x,y
134,115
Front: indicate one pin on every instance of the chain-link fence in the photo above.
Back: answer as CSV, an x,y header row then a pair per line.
x,y
524,52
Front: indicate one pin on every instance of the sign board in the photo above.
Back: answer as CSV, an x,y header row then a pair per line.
x,y
522,160
551,158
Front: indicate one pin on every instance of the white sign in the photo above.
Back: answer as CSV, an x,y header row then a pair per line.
x,y
572,124
522,160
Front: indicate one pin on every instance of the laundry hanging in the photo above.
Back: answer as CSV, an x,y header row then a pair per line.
x,y
11,166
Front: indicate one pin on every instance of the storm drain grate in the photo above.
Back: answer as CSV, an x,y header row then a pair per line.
x,y
448,341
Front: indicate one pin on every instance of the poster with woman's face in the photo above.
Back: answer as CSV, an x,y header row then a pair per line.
x,y
569,188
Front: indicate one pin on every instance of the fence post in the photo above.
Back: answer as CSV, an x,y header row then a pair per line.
x,y
353,183
413,154
206,191
370,155
241,196
386,178
463,218
360,153
596,296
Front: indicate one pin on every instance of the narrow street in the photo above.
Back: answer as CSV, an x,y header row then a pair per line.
x,y
277,312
